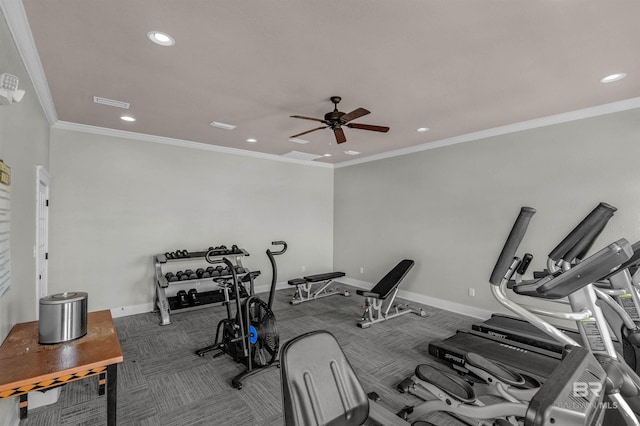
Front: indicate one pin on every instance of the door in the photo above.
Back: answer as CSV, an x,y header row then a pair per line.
x,y
42,235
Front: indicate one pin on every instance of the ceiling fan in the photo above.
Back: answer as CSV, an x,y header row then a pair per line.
x,y
336,119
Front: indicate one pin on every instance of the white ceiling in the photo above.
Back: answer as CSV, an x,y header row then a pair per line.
x,y
456,67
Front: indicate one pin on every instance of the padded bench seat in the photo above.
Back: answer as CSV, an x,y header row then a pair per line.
x,y
304,291
323,277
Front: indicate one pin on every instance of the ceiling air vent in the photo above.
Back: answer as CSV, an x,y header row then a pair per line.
x,y
220,125
298,140
297,155
111,102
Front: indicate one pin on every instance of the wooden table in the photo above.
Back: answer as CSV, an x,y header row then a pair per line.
x,y
27,366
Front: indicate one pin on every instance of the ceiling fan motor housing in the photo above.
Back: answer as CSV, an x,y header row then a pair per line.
x,y
333,116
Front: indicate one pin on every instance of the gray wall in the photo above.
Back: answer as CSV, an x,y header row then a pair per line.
x,y
117,202
24,144
451,208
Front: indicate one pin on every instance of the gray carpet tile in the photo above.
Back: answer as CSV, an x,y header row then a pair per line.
x,y
163,383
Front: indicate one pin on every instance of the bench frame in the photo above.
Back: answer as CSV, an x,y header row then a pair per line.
x,y
304,287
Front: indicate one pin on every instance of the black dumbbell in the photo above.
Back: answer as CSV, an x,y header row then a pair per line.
x,y
182,276
170,276
182,298
235,249
191,275
193,297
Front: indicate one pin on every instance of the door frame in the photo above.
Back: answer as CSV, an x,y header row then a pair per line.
x,y
42,233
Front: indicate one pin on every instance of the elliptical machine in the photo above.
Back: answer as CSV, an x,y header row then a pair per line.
x,y
250,337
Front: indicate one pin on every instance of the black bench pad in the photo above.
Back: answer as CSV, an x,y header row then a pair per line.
x,y
297,281
324,277
390,281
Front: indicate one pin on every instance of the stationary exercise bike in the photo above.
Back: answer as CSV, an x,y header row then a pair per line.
x,y
250,337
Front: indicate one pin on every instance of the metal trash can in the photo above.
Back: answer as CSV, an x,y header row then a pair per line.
x,y
63,317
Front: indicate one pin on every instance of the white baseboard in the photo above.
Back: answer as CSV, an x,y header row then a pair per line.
x,y
447,305
458,308
125,311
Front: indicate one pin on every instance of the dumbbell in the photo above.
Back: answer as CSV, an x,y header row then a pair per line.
x,y
235,249
191,275
217,271
201,273
193,297
182,276
170,276
182,298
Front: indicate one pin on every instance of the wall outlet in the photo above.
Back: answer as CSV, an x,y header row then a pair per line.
x,y
304,268
362,269
472,292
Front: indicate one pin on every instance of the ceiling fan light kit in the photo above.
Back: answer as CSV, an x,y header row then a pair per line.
x,y
335,120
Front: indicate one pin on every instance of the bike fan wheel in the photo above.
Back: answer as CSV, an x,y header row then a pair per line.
x,y
263,334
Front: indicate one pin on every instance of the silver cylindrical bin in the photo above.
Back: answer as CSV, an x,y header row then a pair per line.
x,y
63,317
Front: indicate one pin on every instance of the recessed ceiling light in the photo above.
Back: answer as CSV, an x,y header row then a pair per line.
x,y
350,152
613,77
222,125
327,155
252,140
163,39
127,118
423,129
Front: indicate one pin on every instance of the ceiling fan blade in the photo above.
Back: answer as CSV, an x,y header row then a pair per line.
x,y
356,113
383,129
339,134
308,131
307,118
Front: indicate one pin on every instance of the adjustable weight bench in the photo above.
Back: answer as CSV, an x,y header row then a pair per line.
x,y
304,287
387,286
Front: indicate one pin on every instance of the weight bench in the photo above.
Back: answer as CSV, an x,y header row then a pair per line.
x,y
387,286
304,287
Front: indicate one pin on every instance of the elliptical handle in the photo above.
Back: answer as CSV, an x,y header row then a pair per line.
x,y
279,243
511,245
602,212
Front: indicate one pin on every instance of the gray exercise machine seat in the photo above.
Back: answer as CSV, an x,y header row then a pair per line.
x,y
320,388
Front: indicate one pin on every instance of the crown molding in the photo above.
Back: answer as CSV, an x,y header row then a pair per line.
x,y
595,111
123,134
18,23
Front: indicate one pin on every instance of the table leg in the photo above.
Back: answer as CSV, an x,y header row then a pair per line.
x,y
24,405
112,393
102,380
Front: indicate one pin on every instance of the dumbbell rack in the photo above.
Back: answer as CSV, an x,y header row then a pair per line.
x,y
210,292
